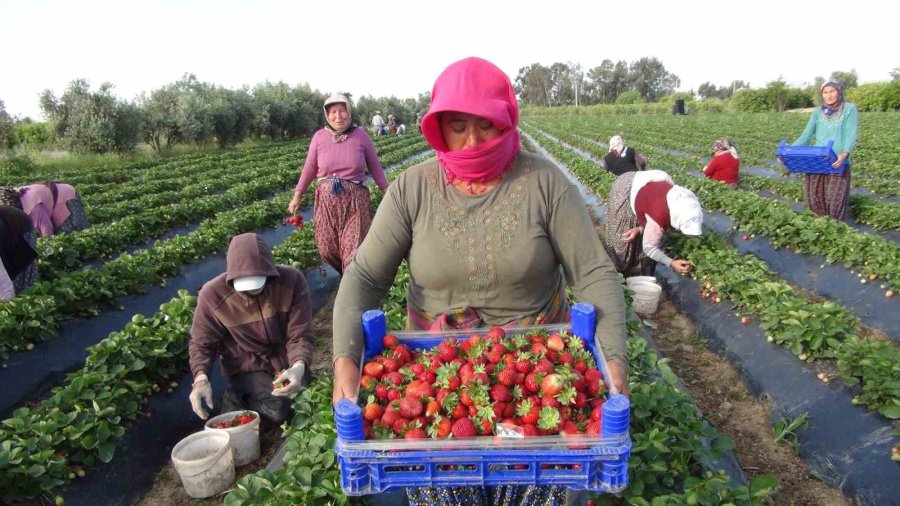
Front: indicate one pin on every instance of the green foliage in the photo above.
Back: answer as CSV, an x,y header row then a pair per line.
x,y
629,97
876,96
92,122
6,127
32,135
786,429
750,100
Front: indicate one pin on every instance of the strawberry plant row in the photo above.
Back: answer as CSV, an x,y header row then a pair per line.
x,y
846,446
811,330
60,254
36,315
802,232
755,134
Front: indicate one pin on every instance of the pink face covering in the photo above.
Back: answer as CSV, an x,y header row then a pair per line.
x,y
478,87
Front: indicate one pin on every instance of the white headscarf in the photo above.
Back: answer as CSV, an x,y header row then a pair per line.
x,y
616,143
685,212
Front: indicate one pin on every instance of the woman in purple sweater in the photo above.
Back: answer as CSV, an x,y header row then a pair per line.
x,y
338,157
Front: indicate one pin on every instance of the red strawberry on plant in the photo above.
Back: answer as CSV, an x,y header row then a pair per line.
x,y
463,427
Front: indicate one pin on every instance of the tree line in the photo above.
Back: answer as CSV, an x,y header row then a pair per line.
x,y
186,112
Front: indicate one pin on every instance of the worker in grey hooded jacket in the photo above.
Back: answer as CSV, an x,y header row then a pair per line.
x,y
257,319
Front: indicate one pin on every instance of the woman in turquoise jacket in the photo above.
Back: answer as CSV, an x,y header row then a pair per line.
x,y
838,121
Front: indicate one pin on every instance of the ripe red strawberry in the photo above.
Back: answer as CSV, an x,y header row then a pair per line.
x,y
551,385
381,391
487,428
580,366
367,382
533,382
593,428
597,414
245,418
454,383
523,365
415,433
538,349
460,411
495,356
499,393
428,377
509,411
389,341
373,411
499,408
552,356
549,401
464,398
496,334
443,428
374,369
419,389
389,417
566,358
417,368
530,430
447,350
545,366
400,425
410,407
394,378
555,342
432,408
507,377
390,364
528,412
393,394
402,354
580,400
463,427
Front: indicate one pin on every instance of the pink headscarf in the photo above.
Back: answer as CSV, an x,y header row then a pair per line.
x,y
64,193
474,86
35,194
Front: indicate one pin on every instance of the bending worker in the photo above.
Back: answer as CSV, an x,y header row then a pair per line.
x,y
257,318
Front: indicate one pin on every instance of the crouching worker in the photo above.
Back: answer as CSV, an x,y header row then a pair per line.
x,y
257,319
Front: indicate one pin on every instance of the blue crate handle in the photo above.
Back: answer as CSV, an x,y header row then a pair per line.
x,y
374,325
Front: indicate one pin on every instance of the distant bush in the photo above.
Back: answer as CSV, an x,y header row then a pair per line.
x,y
750,100
876,96
629,97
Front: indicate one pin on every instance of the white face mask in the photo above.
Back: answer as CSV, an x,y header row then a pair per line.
x,y
255,292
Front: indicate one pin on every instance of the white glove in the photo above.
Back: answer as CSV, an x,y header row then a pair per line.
x,y
294,375
201,393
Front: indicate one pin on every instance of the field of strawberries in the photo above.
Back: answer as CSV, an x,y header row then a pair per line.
x,y
96,378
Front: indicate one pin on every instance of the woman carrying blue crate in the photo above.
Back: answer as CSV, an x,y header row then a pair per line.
x,y
492,236
838,121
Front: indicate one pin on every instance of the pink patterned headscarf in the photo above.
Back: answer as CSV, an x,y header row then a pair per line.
x,y
474,86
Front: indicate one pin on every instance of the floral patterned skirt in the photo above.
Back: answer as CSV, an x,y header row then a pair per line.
x,y
343,214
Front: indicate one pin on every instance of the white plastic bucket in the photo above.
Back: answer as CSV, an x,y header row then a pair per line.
x,y
205,463
646,296
639,279
244,438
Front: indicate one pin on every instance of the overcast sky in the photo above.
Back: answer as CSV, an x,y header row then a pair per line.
x,y
398,48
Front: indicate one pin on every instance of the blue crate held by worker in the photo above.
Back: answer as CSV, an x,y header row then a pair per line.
x,y
810,159
580,462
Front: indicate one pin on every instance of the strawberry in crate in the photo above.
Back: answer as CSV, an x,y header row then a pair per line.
x,y
533,384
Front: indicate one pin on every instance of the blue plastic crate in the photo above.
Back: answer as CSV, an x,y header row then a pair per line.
x,y
584,462
810,159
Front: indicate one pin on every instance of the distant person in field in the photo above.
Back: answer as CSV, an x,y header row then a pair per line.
x,y
622,158
838,121
378,124
338,157
401,129
256,318
725,163
392,124
68,212
419,122
16,252
642,207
